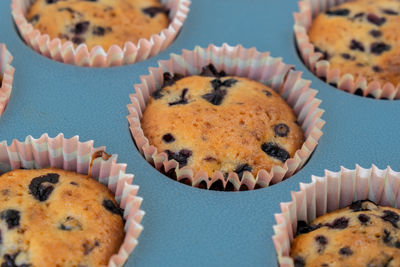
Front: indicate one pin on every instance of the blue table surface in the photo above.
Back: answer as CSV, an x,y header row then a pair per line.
x,y
185,226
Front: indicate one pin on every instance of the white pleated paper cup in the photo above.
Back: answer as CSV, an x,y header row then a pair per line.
x,y
74,155
308,10
334,191
235,61
7,72
80,55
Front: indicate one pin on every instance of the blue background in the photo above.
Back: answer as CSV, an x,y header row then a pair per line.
x,y
185,226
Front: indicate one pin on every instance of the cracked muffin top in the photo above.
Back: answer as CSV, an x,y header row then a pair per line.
x,y
361,37
214,122
99,22
51,217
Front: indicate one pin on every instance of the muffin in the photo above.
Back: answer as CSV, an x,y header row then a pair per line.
x,y
225,118
361,38
362,234
215,122
52,217
99,22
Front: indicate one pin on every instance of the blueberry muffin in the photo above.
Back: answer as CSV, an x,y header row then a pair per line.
x,y
99,22
362,234
214,122
52,217
361,37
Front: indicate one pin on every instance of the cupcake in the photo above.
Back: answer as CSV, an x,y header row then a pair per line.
x,y
51,208
99,33
6,77
222,124
83,207
365,61
346,218
98,22
362,234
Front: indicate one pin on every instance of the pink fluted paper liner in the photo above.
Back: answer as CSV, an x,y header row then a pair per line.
x,y
308,10
334,191
7,72
97,57
74,155
235,61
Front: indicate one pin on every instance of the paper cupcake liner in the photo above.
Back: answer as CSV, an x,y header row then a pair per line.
x,y
7,72
235,61
115,56
74,155
308,10
334,191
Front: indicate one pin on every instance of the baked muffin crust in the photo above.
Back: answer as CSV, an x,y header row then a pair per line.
x,y
51,217
362,234
361,37
226,123
99,22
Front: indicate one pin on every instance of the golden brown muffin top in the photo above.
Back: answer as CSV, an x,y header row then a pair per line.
x,y
362,234
99,22
52,217
227,124
361,37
